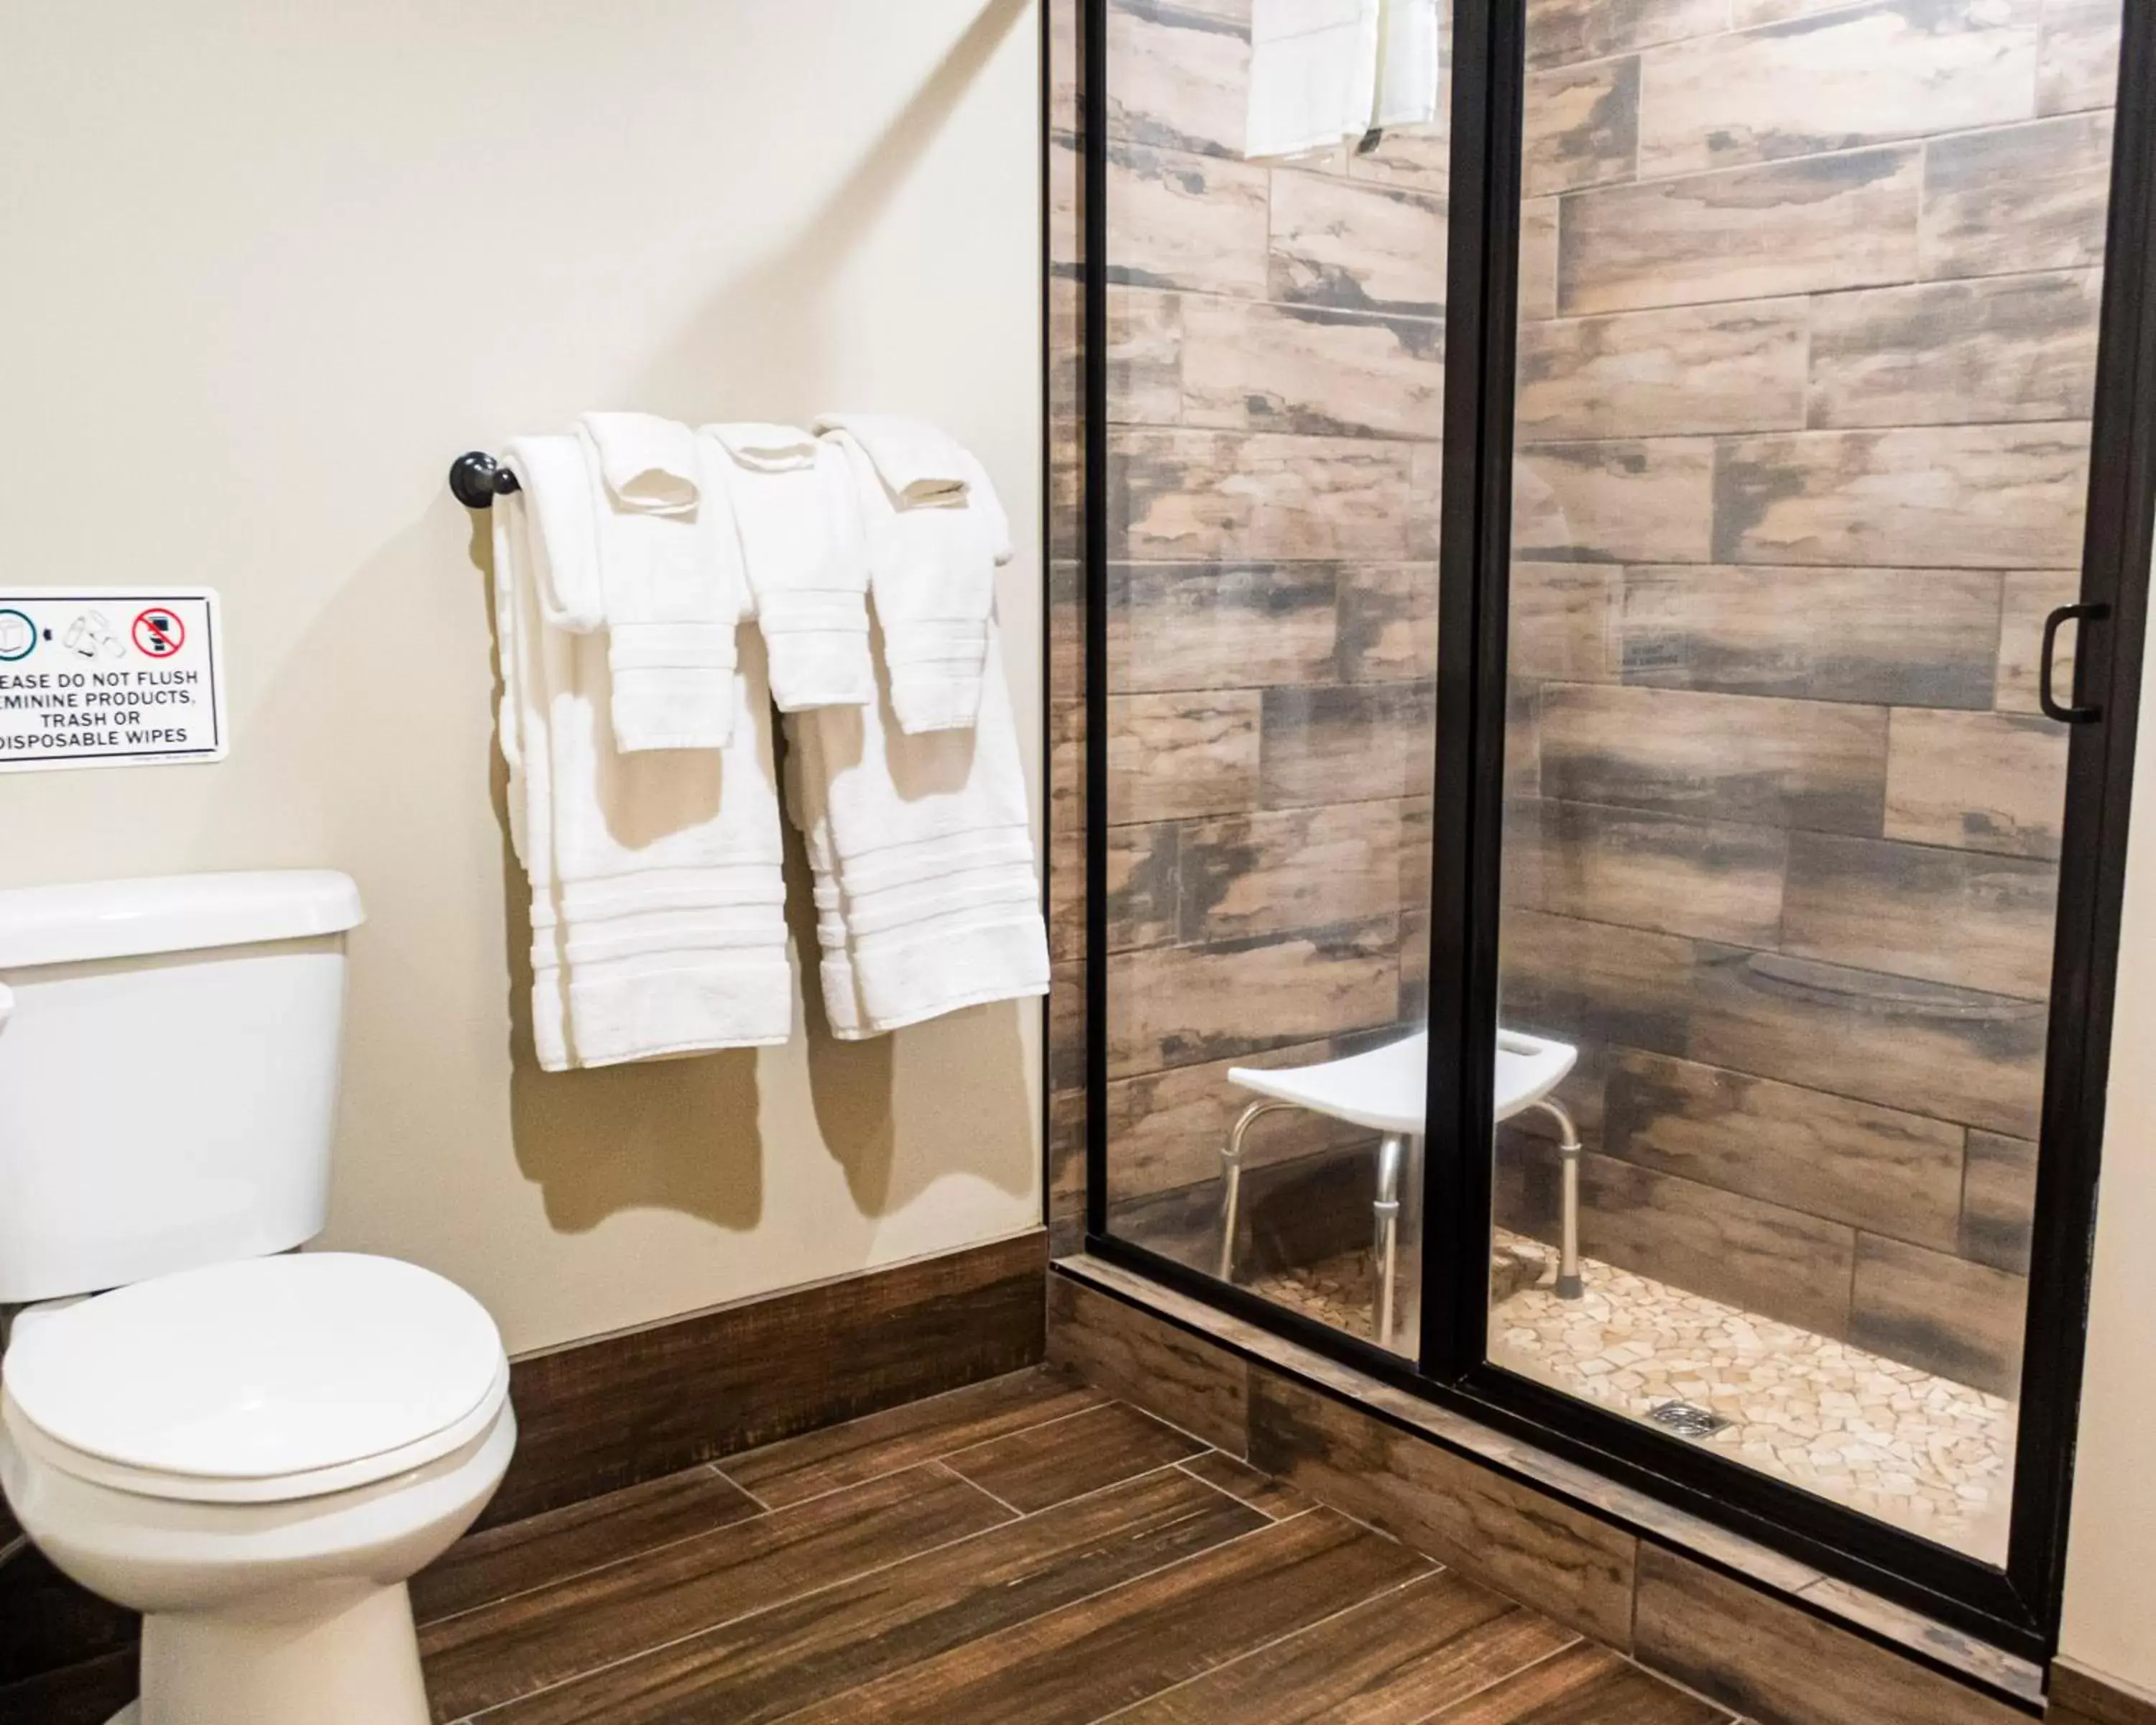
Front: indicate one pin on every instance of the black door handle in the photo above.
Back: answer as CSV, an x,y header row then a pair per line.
x,y
2045,697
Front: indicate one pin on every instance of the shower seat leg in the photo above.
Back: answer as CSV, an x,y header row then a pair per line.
x,y
1231,1159
1569,1287
1385,1244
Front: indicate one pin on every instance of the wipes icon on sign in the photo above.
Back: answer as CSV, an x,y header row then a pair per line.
x,y
91,636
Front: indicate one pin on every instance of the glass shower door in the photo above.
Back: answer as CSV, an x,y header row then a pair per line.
x,y
1274,398
1808,313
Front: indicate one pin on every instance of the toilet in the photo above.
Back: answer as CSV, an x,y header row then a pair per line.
x,y
254,1447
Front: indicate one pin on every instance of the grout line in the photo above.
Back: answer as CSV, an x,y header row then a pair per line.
x,y
921,1460
739,1487
1183,1466
1310,1628
944,1467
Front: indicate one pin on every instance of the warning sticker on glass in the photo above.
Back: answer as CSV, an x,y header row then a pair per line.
x,y
109,676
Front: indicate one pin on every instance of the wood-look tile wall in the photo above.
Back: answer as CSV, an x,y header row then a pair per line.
x,y
1808,298
1803,443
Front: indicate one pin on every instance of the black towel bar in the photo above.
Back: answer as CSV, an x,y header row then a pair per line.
x,y
476,479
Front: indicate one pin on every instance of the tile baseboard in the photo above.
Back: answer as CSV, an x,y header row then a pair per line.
x,y
594,1416
1552,1533
2079,1696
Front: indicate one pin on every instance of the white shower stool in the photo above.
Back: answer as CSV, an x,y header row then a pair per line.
x,y
1384,1090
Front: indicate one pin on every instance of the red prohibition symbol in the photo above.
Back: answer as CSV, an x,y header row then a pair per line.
x,y
159,633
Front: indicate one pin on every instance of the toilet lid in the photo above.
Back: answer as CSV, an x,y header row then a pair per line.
x,y
257,1369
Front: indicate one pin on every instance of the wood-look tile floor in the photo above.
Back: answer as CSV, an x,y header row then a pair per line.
x,y
1022,1551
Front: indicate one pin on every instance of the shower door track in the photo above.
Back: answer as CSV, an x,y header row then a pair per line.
x,y
2014,1606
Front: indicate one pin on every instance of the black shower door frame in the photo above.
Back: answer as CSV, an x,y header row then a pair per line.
x,y
2016,1606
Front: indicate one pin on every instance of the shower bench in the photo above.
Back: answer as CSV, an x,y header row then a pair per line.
x,y
1384,1090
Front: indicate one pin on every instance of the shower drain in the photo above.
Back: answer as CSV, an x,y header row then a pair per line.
x,y
1687,1419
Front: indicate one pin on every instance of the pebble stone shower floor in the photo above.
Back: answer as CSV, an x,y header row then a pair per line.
x,y
1900,1443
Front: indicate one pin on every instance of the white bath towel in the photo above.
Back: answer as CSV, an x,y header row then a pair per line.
x,y
1313,75
669,570
926,896
1326,72
936,532
805,555
658,923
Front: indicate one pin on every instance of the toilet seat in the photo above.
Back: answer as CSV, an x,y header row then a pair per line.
x,y
260,1381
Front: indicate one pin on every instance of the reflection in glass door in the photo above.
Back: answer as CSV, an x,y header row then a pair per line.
x,y
1806,352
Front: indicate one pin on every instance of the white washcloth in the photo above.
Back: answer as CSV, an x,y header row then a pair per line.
x,y
926,896
670,570
1313,75
1411,64
658,920
805,555
936,532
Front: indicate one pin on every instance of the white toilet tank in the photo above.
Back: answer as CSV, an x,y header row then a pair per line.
x,y
168,1073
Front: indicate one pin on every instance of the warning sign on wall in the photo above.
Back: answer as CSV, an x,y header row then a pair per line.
x,y
109,676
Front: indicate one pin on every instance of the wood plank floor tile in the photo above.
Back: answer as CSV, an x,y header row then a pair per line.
x,y
810,1650
862,1450
1240,1479
519,1556
1390,1660
520,1645
1051,1464
1583,1686
1106,1652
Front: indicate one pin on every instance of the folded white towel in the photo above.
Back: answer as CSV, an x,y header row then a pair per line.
x,y
658,923
1410,64
1313,75
669,570
805,555
920,463
649,463
926,894
936,531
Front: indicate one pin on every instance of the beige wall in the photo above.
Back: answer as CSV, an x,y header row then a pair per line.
x,y
2110,1625
268,268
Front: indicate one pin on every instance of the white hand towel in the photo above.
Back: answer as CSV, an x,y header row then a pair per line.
x,y
926,896
931,562
670,570
1411,64
658,920
805,555
1313,75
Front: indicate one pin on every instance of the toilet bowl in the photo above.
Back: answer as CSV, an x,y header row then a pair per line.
x,y
257,1456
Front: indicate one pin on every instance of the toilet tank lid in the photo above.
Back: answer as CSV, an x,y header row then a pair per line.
x,y
68,923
